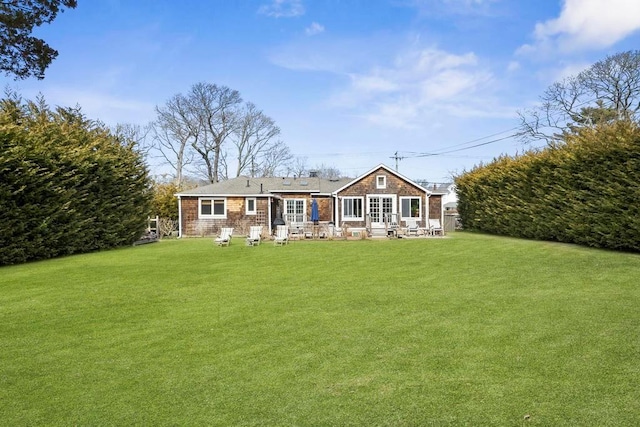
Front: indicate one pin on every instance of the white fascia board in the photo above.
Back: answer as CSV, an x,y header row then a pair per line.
x,y
388,169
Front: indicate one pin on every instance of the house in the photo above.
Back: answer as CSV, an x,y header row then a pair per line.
x,y
372,202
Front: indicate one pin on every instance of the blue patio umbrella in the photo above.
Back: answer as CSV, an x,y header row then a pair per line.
x,y
315,215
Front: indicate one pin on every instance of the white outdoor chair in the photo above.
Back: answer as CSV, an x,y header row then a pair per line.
x,y
282,235
435,227
225,236
412,227
255,235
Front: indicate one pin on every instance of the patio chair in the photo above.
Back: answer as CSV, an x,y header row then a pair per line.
x,y
255,235
435,227
225,236
282,235
412,227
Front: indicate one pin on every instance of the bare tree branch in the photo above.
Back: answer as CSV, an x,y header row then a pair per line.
x,y
252,139
608,86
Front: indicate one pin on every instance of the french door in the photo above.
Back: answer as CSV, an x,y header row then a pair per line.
x,y
295,210
379,208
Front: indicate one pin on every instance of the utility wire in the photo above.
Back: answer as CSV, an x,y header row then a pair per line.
x,y
464,148
411,154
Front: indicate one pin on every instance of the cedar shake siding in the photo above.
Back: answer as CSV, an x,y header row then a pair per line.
x,y
325,208
236,216
228,203
325,205
435,206
394,185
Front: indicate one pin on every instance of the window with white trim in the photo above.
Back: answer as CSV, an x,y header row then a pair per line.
x,y
353,209
250,205
410,207
381,181
212,208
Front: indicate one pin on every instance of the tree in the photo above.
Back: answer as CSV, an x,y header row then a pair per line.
x,y
608,90
327,172
20,53
212,132
214,109
131,135
165,202
275,161
300,168
252,138
172,135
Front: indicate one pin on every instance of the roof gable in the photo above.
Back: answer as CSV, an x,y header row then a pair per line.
x,y
386,169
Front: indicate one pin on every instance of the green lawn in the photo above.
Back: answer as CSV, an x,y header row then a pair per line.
x,y
468,330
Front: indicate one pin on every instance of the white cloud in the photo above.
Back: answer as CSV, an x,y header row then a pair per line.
x,y
416,84
513,66
406,87
282,9
323,54
584,25
314,29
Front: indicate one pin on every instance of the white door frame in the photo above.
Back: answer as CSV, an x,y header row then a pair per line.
x,y
381,208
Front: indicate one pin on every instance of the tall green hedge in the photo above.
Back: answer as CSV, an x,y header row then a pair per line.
x,y
586,191
66,185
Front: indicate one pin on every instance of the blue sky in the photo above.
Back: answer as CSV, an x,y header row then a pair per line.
x,y
349,83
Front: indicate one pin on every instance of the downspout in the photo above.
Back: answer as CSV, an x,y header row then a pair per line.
x,y
269,213
179,217
442,213
427,213
336,219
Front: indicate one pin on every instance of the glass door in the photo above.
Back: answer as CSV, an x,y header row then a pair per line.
x,y
381,208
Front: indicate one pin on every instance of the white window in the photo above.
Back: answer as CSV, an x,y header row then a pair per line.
x,y
352,209
295,210
250,205
212,208
381,181
410,207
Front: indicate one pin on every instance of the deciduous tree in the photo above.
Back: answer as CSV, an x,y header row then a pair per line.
x,y
608,90
212,132
252,139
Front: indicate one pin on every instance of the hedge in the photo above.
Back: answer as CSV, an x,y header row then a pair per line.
x,y
585,191
67,185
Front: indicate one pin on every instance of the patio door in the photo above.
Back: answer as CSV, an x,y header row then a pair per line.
x,y
379,208
295,211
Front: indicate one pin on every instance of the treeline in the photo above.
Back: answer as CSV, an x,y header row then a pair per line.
x,y
584,191
67,184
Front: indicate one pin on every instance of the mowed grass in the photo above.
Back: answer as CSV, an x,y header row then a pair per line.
x,y
468,330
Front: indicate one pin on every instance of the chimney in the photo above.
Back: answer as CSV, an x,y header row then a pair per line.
x,y
247,182
313,174
261,188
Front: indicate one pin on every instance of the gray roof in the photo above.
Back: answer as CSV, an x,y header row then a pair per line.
x,y
436,187
247,186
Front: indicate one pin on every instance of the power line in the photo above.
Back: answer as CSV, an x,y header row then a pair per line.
x,y
465,148
439,151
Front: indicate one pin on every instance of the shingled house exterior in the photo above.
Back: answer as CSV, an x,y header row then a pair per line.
x,y
367,202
